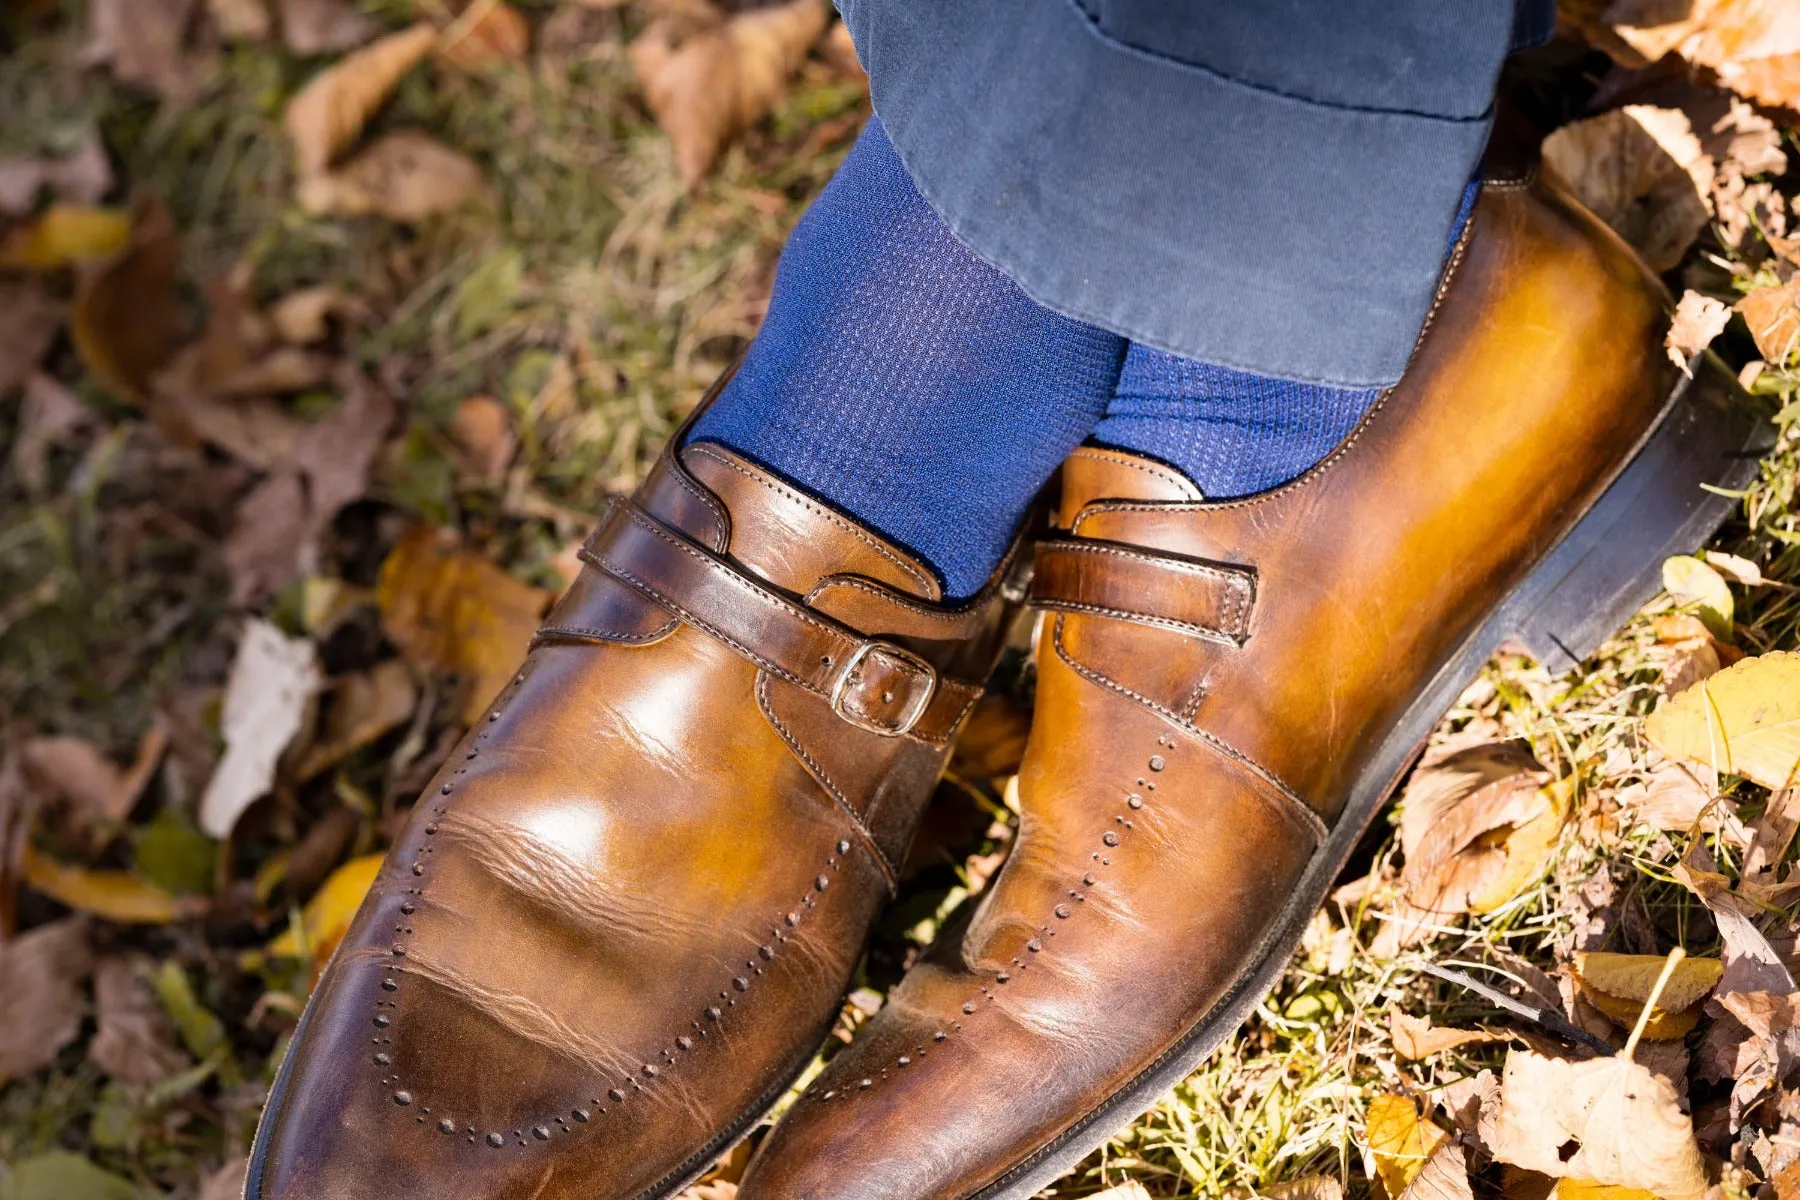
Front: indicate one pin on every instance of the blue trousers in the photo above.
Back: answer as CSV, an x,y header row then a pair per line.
x,y
1265,185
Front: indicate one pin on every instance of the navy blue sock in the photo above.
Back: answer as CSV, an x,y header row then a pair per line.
x,y
905,381
1233,433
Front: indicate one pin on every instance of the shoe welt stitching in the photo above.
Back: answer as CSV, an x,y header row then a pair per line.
x,y
551,1127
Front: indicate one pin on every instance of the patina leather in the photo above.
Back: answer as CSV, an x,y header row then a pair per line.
x,y
622,917
1213,681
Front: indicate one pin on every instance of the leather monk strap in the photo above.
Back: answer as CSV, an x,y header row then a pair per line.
x,y
1202,599
872,684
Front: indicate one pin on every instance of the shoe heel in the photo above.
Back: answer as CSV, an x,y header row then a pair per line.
x,y
1666,501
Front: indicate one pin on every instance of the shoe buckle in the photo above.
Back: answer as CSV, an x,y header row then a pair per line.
x,y
919,676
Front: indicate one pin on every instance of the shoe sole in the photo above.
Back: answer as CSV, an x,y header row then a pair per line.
x,y
1582,590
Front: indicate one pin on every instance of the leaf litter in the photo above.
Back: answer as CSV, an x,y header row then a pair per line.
x,y
427,287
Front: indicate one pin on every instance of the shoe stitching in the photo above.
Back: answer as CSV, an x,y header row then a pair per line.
x,y
911,572
549,1128
1295,809
831,787
591,633
1118,459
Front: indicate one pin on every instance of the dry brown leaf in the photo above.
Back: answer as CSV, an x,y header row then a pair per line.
x,y
49,414
303,318
1752,45
365,706
127,317
115,895
134,1041
83,178
1473,1104
1773,315
457,612
1735,568
1744,721
1698,320
328,113
1415,1037
1642,171
1671,799
1445,1177
1608,1120
74,769
282,370
227,1183
482,427
32,318
1400,1140
1307,1187
267,697
143,42
41,973
487,32
65,235
241,20
707,81
323,26
405,176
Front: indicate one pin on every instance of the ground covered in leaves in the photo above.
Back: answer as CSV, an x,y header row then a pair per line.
x,y
326,328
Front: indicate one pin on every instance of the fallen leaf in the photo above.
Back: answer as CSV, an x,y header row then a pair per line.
x,y
1307,1187
1694,584
1642,171
1753,47
81,178
271,685
1587,1189
1743,721
405,176
482,427
1476,826
241,20
328,113
49,415
303,318
457,612
1473,1105
1735,568
142,41
1672,800
1400,1139
226,1183
1608,1120
127,317
326,917
1773,833
1130,1190
1415,1037
75,771
41,973
364,706
487,32
706,80
1618,985
311,27
32,318
201,1030
60,1175
1698,320
282,370
1445,1177
134,1041
115,895
1773,315
64,235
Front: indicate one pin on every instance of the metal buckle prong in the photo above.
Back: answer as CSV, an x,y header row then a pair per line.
x,y
841,688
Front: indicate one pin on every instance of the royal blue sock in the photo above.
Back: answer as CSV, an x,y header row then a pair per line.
x,y
1233,433
906,382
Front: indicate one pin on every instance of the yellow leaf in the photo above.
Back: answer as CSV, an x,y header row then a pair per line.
x,y
1745,720
326,917
116,895
1631,976
1692,582
64,235
1400,1140
405,176
328,113
705,84
1416,1037
457,612
1587,1189
1608,1120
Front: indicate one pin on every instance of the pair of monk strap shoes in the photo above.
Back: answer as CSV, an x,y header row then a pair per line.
x,y
621,920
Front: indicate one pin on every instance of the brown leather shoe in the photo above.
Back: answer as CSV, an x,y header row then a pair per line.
x,y
622,917
1227,692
